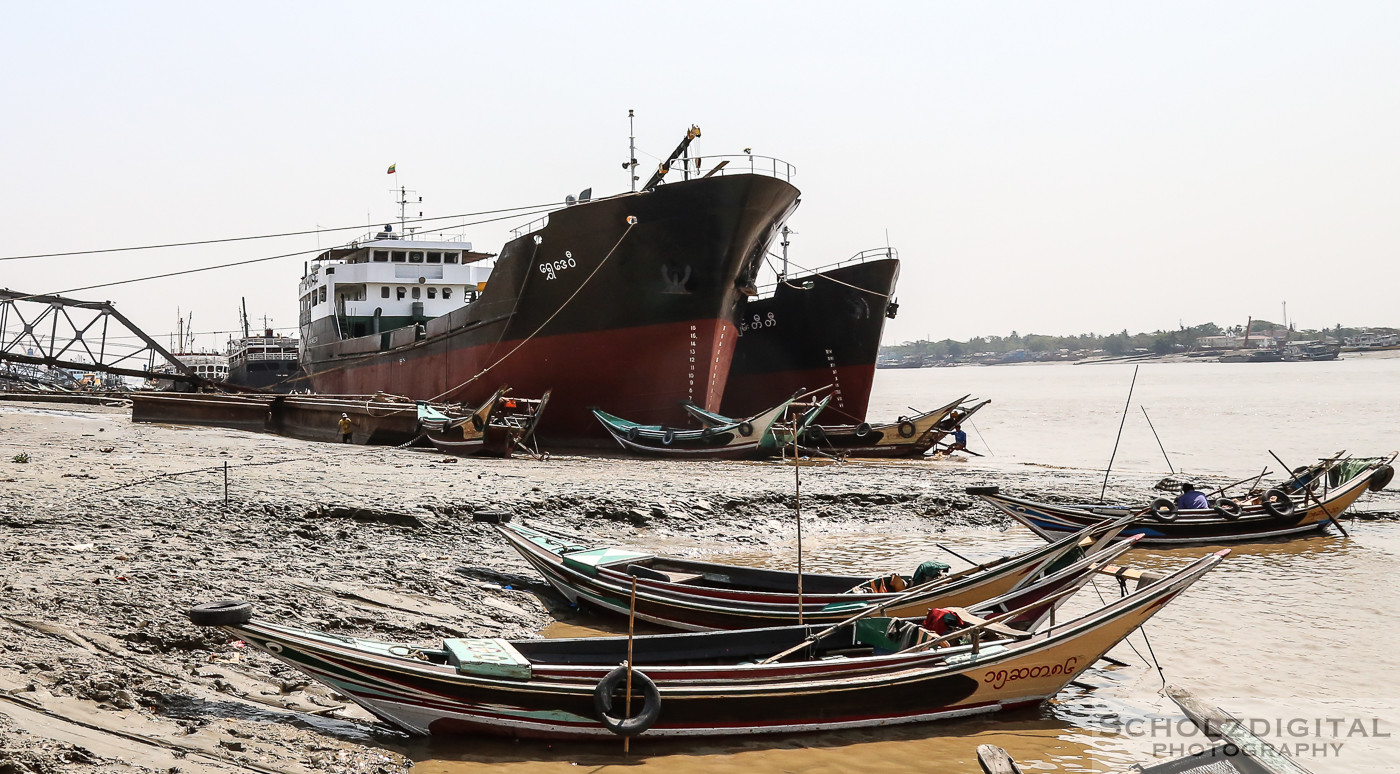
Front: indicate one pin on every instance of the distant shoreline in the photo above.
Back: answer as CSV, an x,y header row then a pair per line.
x,y
1174,357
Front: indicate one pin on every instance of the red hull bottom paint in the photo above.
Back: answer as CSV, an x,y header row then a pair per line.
x,y
848,405
640,373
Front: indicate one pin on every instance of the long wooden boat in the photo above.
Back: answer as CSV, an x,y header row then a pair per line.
x,y
908,436
378,419
704,684
699,596
736,438
1307,502
495,428
1236,751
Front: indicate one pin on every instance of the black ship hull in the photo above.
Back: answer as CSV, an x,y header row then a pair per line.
x,y
805,338
280,376
629,318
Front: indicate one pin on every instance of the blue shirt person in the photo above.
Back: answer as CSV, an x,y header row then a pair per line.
x,y
959,440
1191,499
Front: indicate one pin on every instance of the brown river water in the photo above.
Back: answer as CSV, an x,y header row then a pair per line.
x,y
1299,638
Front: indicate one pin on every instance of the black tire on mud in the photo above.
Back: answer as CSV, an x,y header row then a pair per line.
x,y
226,612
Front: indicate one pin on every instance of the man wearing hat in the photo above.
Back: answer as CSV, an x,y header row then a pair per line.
x,y
345,424
1190,498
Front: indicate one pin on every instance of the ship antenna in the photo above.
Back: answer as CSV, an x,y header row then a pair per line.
x,y
632,148
245,317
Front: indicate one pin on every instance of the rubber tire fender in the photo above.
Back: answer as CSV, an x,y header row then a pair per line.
x,y
862,429
603,699
1163,509
1381,478
816,434
1228,509
225,612
982,490
746,429
906,429
668,437
1277,503
477,423
633,433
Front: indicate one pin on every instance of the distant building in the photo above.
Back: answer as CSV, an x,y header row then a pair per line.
x,y
1256,341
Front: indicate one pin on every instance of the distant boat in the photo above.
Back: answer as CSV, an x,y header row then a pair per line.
x,y
1252,356
908,361
266,361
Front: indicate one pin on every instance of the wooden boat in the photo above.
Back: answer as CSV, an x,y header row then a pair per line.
x,y
378,419
908,436
1236,751
495,428
705,684
1307,502
699,596
735,438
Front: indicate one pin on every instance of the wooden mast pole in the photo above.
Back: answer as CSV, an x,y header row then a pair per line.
x,y
797,502
631,626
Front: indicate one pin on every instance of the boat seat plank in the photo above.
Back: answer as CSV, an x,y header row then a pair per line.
x,y
488,657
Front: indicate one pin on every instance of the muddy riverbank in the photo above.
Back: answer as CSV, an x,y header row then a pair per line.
x,y
99,665
106,537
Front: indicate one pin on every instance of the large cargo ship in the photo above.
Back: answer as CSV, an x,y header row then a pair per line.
x,y
626,303
818,328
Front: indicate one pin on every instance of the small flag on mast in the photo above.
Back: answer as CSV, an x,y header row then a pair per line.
x,y
391,168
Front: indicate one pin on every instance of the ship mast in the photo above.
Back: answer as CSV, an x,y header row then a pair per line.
x,y
403,215
785,243
244,313
631,164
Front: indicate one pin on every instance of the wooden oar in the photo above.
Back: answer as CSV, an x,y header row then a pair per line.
x,y
1222,489
955,553
908,594
886,605
1307,494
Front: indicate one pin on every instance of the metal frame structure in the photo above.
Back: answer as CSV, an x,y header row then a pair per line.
x,y
79,328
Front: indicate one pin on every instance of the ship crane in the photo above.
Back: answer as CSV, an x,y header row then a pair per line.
x,y
680,150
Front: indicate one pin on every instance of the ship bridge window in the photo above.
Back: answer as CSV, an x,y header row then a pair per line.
x,y
415,256
449,257
401,293
417,293
432,292
434,257
323,294
381,256
446,293
384,292
400,256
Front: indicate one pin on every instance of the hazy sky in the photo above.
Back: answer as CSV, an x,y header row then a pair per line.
x,y
1041,167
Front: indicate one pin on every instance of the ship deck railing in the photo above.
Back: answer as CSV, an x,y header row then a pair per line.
x,y
696,167
873,254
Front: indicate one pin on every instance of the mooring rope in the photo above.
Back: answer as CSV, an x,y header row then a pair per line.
x,y
631,223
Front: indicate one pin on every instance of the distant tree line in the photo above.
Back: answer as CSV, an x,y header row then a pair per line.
x,y
1159,342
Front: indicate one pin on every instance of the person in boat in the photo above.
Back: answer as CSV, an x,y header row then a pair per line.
x,y
959,440
959,443
346,425
1190,498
